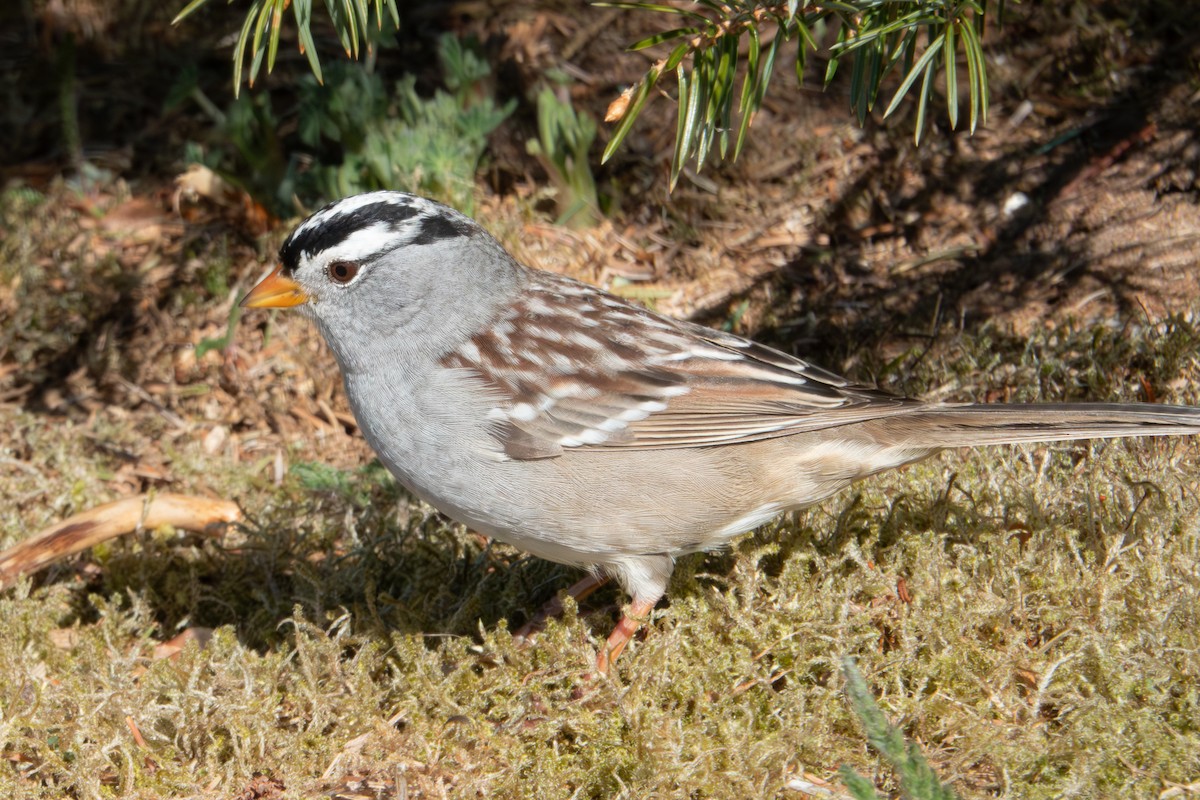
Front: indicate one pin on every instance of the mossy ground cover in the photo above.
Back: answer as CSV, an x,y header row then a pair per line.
x,y
1028,616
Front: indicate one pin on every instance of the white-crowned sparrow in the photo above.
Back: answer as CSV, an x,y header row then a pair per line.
x,y
591,431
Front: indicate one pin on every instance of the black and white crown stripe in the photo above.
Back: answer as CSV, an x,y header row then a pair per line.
x,y
365,227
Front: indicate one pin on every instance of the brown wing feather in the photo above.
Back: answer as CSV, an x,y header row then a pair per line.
x,y
576,368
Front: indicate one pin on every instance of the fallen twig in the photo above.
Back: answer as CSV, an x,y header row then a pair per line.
x,y
109,521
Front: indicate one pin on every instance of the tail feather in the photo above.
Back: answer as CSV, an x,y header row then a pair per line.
x,y
990,424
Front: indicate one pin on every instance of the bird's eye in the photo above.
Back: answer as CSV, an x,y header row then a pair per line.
x,y
343,271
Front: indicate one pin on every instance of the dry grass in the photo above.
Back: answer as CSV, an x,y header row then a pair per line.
x,y
1047,643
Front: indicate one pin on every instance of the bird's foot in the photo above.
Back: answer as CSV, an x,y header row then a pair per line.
x,y
554,608
639,612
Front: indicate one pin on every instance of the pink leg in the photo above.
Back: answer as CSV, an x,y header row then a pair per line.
x,y
639,612
554,608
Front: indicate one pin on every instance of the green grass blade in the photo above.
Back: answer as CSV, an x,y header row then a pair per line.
x,y
746,107
859,787
676,58
723,73
926,60
364,22
923,102
351,28
902,52
631,113
803,46
261,24
276,27
767,70
680,154
696,103
917,778
659,38
858,92
187,10
907,22
806,36
875,72
835,58
977,76
302,9
239,51
951,69
725,115
683,12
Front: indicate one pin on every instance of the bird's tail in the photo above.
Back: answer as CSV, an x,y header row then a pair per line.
x,y
988,424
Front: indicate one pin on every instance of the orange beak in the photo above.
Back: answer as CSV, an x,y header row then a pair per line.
x,y
275,291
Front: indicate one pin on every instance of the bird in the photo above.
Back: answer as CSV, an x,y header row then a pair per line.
x,y
591,431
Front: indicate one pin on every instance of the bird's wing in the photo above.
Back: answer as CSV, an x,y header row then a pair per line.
x,y
571,367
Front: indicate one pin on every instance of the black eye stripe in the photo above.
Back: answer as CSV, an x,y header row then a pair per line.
x,y
437,227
